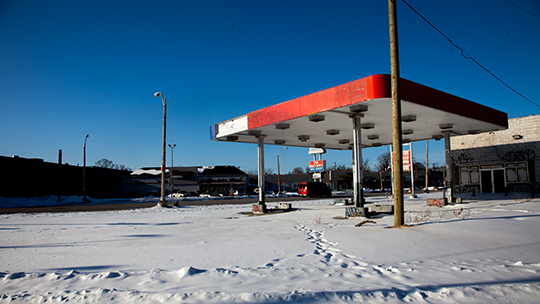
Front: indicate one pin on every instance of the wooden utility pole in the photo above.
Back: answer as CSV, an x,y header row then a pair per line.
x,y
399,218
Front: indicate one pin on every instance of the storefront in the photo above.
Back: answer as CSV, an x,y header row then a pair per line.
x,y
499,161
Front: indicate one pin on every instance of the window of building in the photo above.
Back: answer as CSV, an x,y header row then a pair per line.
x,y
515,173
475,175
464,176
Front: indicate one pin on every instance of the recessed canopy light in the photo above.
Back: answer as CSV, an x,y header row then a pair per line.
x,y
445,126
367,125
316,118
407,132
332,132
303,138
358,108
408,118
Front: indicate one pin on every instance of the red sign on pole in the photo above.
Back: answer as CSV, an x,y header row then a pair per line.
x,y
406,160
317,166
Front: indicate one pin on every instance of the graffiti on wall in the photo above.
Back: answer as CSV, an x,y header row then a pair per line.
x,y
462,159
513,156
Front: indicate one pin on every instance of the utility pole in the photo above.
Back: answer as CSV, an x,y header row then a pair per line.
x,y
399,219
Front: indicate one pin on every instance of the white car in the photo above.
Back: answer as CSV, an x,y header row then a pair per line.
x,y
179,194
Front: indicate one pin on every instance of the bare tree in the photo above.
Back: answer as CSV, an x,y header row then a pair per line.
x,y
343,168
419,165
104,163
365,165
268,171
297,171
122,168
107,164
385,162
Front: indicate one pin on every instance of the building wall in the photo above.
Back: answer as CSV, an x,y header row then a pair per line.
x,y
26,177
510,150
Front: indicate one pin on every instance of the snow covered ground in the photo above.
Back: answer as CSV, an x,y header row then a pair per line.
x,y
486,250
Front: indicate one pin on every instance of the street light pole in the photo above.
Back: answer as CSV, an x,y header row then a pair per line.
x,y
162,201
278,173
172,167
84,170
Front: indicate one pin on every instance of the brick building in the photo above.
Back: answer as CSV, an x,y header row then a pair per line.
x,y
499,161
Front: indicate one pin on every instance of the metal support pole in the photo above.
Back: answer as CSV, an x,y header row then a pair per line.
x,y
357,160
380,175
261,173
427,167
59,175
278,177
413,195
399,218
449,182
162,201
278,171
171,170
84,170
392,169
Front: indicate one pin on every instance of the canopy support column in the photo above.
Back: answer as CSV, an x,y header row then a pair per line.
x,y
449,182
260,158
357,162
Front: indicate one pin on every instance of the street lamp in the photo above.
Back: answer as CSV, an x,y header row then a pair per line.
x,y
172,166
162,201
278,172
84,170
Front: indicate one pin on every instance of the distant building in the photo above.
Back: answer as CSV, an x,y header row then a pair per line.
x,y
33,177
200,179
29,177
147,181
499,161
222,179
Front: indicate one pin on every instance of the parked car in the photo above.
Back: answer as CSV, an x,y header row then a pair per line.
x,y
179,194
312,189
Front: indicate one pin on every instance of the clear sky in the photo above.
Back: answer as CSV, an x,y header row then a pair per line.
x,y
71,68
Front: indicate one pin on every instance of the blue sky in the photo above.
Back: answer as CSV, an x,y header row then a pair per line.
x,y
71,68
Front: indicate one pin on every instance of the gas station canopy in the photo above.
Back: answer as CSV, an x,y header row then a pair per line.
x,y
323,119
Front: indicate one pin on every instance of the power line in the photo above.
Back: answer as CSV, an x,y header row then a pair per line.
x,y
523,9
465,55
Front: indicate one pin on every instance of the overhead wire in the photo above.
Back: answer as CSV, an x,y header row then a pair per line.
x,y
467,56
523,9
